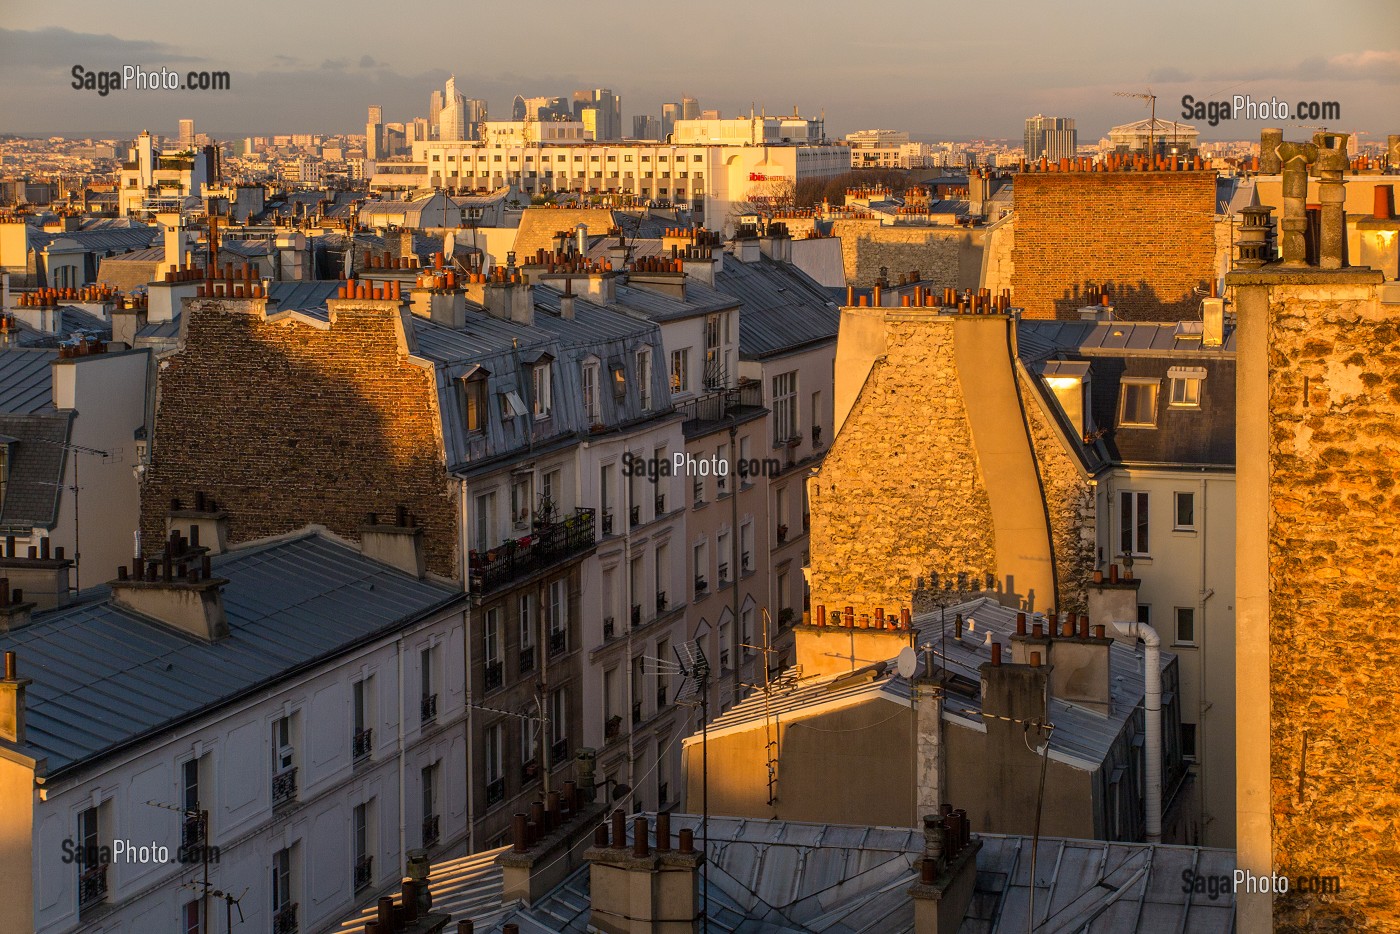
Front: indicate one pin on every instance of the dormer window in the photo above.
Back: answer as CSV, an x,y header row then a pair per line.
x,y
619,381
1137,405
543,389
473,390
1186,386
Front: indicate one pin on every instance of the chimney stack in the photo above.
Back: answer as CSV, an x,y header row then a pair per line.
x,y
207,525
399,544
644,890
43,577
12,701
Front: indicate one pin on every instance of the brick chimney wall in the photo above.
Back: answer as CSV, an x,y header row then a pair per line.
x,y
288,424
1150,236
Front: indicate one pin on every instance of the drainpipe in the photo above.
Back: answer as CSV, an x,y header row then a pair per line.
x,y
1152,704
464,543
403,843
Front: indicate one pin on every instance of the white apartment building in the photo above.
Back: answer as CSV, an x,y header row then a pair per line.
x,y
153,180
294,730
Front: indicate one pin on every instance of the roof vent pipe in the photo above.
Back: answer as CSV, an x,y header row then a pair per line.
x,y
1152,704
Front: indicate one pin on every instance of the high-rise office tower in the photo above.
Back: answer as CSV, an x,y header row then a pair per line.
x,y
690,108
186,134
434,109
374,133
670,113
1055,138
606,119
645,127
476,113
452,119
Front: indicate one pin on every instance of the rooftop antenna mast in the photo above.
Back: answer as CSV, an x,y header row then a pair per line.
x,y
695,692
1152,119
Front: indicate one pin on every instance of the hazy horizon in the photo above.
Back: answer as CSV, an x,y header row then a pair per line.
x,y
957,74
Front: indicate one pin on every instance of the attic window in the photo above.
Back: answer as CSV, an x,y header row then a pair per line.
x,y
1137,405
1186,386
619,378
473,388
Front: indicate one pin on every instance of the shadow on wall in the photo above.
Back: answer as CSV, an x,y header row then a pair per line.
x,y
1132,302
935,591
287,425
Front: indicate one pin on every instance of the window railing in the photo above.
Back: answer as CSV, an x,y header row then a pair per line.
x,y
92,887
636,516
612,729
701,585
609,627
661,504
527,658
427,708
495,675
364,872
724,572
430,823
516,557
529,771
284,786
558,642
661,601
284,920
607,522
361,744
559,750
816,436
192,830
636,615
746,561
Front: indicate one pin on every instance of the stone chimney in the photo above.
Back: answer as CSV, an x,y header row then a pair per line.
x,y
15,612
399,544
776,244
843,641
178,589
43,575
445,305
12,701
1079,664
947,873
1113,598
205,526
547,844
641,889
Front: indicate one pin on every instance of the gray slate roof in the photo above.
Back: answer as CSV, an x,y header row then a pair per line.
x,y
783,308
105,677
37,457
26,380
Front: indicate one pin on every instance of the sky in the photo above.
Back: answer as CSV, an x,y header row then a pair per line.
x,y
939,70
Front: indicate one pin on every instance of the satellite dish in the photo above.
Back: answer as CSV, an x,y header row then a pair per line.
x,y
449,244
907,663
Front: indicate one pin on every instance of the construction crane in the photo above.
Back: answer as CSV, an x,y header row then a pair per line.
x,y
1152,120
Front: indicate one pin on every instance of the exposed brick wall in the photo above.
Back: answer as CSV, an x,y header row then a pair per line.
x,y
1069,502
900,494
1150,236
945,256
287,424
1334,573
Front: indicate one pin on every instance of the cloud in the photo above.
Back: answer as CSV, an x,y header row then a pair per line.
x,y
55,49
1371,63
367,61
1168,75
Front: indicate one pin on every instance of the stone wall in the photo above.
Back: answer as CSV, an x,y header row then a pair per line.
x,y
1069,502
1149,236
287,424
1334,573
900,495
945,256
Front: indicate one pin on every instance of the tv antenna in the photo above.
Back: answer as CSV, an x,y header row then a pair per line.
x,y
541,724
103,456
194,831
694,670
1152,119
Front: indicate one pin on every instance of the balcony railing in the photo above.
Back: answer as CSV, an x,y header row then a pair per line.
x,y
430,823
517,557
527,658
701,585
427,709
607,522
92,887
495,675
362,743
716,406
636,516
609,627
636,713
284,786
559,750
724,572
612,729
192,831
529,771
661,602
661,504
558,642
364,873
636,615
284,920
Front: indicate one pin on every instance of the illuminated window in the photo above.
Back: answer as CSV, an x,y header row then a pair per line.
x,y
1137,407
1186,386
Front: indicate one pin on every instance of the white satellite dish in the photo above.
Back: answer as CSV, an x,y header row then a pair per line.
x,y
907,663
449,244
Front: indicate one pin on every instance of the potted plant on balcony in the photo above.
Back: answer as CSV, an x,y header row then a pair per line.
x,y
785,616
782,534
614,727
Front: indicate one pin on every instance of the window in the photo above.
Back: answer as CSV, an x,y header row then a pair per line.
x,y
722,547
360,736
542,395
644,378
816,418
474,402
491,636
1144,613
362,852
529,746
725,644
284,910
1132,523
1186,386
190,923
680,370
525,606
558,616
591,407
192,830
1188,741
746,631
1185,625
746,547
284,768
702,568
785,406
427,699
486,521
663,652
722,479
698,489
558,725
92,870
522,499
430,814
1138,403
619,383
1185,510
495,753
714,376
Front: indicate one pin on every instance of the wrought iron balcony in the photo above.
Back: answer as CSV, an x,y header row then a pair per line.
x,y
529,771
495,675
701,585
527,658
192,830
518,557
607,522
92,887
609,627
558,642
612,729
427,709
661,602
284,920
717,405
284,786
559,751
361,744
364,872
636,713
636,615
636,516
430,823
661,504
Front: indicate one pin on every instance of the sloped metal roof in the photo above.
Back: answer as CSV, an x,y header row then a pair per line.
x,y
26,380
105,677
783,309
35,471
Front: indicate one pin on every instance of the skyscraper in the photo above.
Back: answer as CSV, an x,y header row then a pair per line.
x,y
186,134
606,119
476,113
452,119
374,133
1055,138
434,109
690,108
670,113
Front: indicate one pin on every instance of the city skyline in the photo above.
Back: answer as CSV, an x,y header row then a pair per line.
x,y
1334,60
